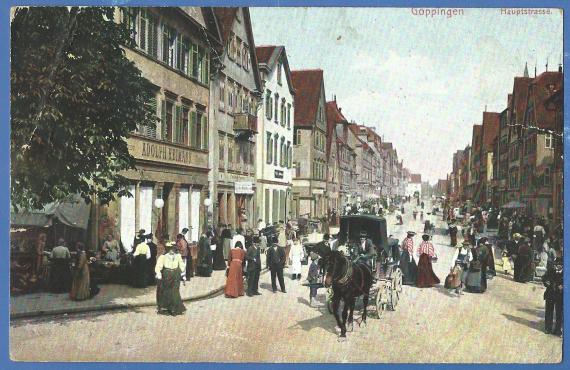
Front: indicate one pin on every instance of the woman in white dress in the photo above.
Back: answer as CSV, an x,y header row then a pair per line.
x,y
296,256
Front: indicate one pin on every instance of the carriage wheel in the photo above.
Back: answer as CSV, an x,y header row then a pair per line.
x,y
380,306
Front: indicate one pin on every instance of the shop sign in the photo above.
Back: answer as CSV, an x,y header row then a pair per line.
x,y
244,187
162,152
279,174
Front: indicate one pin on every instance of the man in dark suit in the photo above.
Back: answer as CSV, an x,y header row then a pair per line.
x,y
276,263
253,259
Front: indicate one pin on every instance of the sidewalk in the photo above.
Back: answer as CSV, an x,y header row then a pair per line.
x,y
114,296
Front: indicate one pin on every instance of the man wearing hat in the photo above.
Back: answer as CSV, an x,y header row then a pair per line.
x,y
366,248
276,263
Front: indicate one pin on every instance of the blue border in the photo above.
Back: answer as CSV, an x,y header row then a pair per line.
x,y
5,5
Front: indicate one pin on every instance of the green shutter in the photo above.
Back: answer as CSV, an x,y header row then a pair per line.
x,y
151,130
193,132
204,131
178,131
152,36
163,120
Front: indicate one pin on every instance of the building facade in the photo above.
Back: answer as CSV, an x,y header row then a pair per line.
x,y
309,145
234,103
276,124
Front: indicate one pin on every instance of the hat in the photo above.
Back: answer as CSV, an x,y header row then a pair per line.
x,y
425,237
363,234
141,231
411,233
170,245
517,236
466,242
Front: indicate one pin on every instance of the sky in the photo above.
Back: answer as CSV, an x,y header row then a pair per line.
x,y
423,82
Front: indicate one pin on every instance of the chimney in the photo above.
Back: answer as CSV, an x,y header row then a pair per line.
x,y
560,67
485,107
340,109
335,98
546,64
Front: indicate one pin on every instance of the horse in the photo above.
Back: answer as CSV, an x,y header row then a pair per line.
x,y
349,280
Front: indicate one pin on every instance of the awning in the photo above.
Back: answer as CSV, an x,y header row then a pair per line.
x,y
514,204
73,212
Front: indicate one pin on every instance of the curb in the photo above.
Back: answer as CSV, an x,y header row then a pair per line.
x,y
115,306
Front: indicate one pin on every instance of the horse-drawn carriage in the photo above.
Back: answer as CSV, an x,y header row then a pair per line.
x,y
351,274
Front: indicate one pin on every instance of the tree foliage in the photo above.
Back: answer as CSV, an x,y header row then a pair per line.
x,y
75,97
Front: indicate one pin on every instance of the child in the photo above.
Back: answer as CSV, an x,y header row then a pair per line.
x,y
313,279
506,262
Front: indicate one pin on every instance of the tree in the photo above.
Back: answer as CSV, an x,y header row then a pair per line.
x,y
75,97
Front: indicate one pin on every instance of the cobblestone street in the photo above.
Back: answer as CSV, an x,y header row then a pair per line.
x,y
429,325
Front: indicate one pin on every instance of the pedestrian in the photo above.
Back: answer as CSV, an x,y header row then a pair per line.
x,y
80,286
226,241
296,255
474,282
204,265
151,263
538,237
282,239
415,214
184,251
253,257
141,256
313,279
60,275
459,266
110,249
276,262
426,277
234,282
422,204
522,259
407,262
453,232
170,269
507,262
553,294
216,243
41,242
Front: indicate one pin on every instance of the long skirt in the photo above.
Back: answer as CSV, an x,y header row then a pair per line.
x,y
426,277
60,276
219,263
453,280
234,283
409,269
522,268
140,271
168,292
80,287
204,267
475,282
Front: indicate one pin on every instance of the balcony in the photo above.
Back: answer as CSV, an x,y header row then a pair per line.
x,y
245,124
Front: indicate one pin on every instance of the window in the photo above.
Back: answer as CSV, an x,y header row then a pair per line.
x,y
246,57
289,154
289,116
199,124
239,50
222,94
147,130
167,119
231,150
275,149
268,105
184,123
297,137
222,149
283,156
231,46
283,112
168,45
279,68
547,176
269,148
276,107
129,19
148,35
548,142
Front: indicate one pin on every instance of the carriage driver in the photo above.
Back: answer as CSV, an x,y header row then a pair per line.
x,y
366,249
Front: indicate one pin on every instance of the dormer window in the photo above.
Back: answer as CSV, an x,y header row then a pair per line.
x,y
279,68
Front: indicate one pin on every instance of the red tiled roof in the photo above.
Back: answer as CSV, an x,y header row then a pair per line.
x,y
416,178
307,84
491,122
225,17
264,53
334,113
545,86
518,99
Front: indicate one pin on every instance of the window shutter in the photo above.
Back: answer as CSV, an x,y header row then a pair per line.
x,y
204,132
152,36
151,131
143,33
163,120
179,129
193,132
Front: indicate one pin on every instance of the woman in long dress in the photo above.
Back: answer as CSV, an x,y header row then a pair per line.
x,y
204,261
474,279
234,282
80,285
523,261
219,263
407,262
170,269
426,277
141,256
296,256
453,233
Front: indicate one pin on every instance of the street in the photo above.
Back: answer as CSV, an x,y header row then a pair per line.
x,y
505,324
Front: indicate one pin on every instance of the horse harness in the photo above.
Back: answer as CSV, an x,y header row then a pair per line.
x,y
347,277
